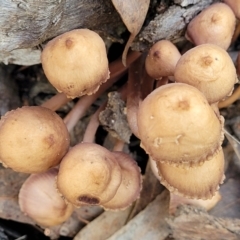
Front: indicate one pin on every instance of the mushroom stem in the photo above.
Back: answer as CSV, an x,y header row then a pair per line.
x,y
56,101
134,96
89,135
228,101
118,145
117,70
162,82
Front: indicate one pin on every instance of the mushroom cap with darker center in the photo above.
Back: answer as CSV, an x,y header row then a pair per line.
x,y
32,139
177,125
76,62
88,175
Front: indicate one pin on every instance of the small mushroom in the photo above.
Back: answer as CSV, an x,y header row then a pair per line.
x,y
131,184
174,122
89,174
215,25
76,62
208,68
39,199
199,182
32,139
162,59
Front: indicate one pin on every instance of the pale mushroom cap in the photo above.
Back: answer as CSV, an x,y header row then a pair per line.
x,y
32,139
235,6
215,25
76,62
162,59
177,125
39,199
200,182
208,68
89,174
131,184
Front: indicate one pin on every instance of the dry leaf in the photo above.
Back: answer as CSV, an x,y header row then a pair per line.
x,y
133,14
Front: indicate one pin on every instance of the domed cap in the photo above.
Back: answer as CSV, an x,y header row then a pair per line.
x,y
208,68
215,25
32,139
178,126
39,199
131,184
162,59
89,174
199,182
76,62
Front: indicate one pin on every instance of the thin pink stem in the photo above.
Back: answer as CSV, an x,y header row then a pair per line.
x,y
57,101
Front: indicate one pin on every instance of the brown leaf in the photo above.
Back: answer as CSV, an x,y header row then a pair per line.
x,y
133,14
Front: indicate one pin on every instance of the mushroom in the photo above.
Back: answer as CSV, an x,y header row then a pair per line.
x,y
174,122
89,174
235,6
208,68
76,62
199,182
32,139
162,59
214,25
39,199
131,184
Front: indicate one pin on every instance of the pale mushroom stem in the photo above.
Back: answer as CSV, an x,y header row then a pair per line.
x,y
230,100
89,135
117,70
56,101
118,145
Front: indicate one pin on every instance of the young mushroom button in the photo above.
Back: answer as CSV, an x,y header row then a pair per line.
x,y
174,123
210,69
76,62
32,139
214,25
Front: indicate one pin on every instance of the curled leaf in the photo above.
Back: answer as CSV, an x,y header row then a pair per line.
x,y
133,14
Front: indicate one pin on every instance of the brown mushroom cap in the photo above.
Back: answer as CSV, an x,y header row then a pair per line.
x,y
162,59
76,62
131,184
235,6
214,25
32,139
208,68
178,126
39,199
88,174
199,182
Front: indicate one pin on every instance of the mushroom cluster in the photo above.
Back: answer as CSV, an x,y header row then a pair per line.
x,y
179,123
175,117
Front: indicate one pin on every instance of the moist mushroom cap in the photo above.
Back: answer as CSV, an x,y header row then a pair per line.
x,y
162,59
215,25
88,175
39,199
131,184
32,139
208,68
199,182
76,62
177,125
